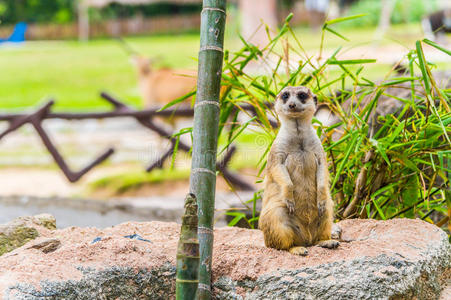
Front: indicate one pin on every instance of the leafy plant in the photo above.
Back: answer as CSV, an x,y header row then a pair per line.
x,y
382,165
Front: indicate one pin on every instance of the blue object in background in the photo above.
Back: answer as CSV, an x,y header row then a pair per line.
x,y
18,34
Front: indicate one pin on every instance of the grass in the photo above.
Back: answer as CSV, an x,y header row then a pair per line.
x,y
126,181
74,73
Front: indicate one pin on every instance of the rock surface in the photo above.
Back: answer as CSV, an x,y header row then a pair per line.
x,y
397,259
22,230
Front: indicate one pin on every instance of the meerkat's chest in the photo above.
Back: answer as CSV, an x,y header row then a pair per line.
x,y
301,160
301,164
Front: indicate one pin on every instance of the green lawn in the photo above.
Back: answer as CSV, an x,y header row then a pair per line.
x,y
74,73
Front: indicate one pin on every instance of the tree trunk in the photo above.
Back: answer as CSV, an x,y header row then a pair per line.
x,y
253,13
384,21
83,21
205,132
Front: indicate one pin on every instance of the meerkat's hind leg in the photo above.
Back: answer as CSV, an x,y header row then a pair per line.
x,y
326,228
299,250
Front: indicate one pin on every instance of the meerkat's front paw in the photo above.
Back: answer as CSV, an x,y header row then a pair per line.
x,y
290,206
302,251
329,244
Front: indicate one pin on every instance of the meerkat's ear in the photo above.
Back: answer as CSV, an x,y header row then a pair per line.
x,y
315,99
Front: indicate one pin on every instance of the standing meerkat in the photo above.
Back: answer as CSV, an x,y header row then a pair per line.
x,y
297,206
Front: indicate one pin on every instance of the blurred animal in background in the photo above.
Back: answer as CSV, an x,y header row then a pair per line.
x,y
437,25
159,87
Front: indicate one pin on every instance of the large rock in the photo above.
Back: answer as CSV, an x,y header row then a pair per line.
x,y
397,259
22,230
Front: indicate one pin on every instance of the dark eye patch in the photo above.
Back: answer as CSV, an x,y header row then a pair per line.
x,y
302,96
285,96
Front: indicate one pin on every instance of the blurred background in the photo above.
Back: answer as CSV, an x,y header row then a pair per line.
x,y
144,53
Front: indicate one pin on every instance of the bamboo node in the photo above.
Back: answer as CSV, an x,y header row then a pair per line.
x,y
204,230
213,9
215,103
203,170
186,280
216,48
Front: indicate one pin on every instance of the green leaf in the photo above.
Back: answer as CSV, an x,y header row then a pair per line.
x,y
410,194
344,161
178,100
399,80
435,45
379,210
336,33
343,19
238,217
423,67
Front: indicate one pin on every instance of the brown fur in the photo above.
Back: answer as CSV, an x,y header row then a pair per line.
x,y
297,206
161,86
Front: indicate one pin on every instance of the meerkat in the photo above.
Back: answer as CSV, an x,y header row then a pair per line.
x,y
297,207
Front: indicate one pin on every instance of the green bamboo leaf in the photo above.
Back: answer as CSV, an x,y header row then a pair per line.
x,y
344,161
379,210
396,133
423,67
369,108
336,33
384,189
410,194
408,163
435,45
371,83
243,127
343,19
238,216
399,80
178,100
381,150
174,152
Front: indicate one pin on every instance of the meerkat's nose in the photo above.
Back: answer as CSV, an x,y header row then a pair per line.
x,y
292,105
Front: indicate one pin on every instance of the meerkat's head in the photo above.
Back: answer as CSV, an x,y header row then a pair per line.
x,y
296,102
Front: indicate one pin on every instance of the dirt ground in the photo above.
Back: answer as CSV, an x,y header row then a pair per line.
x,y
239,253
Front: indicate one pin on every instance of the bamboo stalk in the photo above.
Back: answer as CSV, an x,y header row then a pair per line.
x,y
188,253
205,132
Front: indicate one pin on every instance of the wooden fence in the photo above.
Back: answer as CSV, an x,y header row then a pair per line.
x,y
111,28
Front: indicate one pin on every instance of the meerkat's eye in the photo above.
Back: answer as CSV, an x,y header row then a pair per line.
x,y
285,96
302,96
